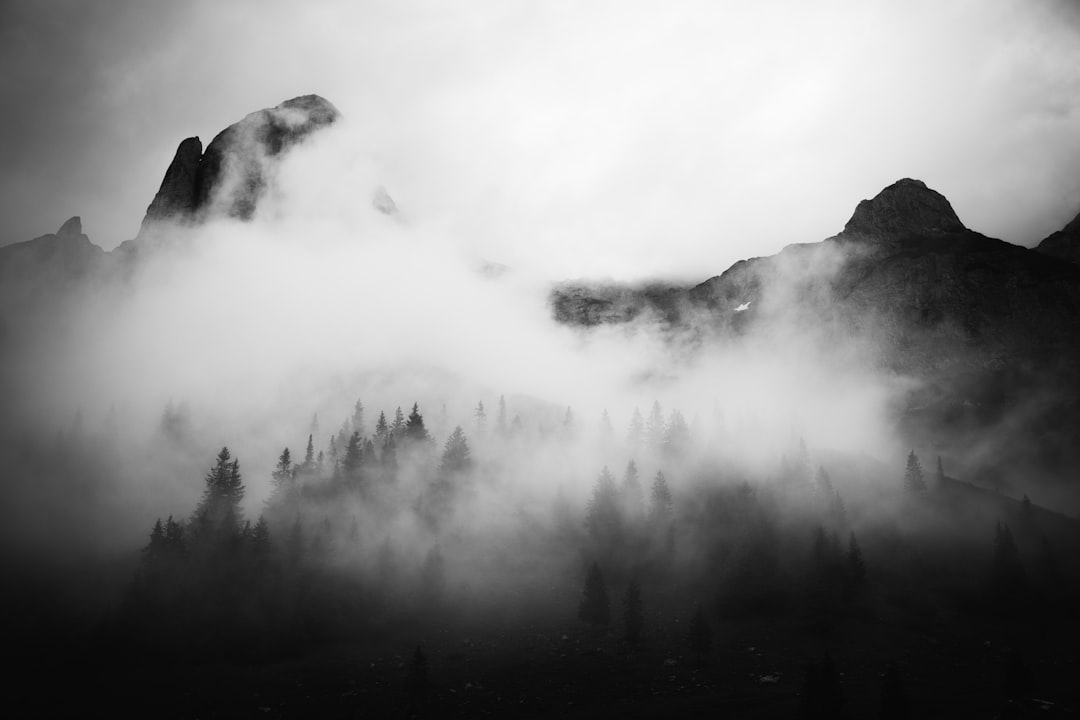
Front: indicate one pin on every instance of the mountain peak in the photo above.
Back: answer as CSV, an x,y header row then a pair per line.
x,y
907,207
72,228
232,175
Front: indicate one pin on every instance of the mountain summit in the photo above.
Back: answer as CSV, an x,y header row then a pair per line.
x,y
232,175
907,207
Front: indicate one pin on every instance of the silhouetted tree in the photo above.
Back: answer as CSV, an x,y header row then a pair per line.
x,y
381,426
913,475
358,418
260,537
632,615
699,636
283,478
350,464
481,419
398,428
220,504
456,457
607,431
654,428
603,520
633,496
309,454
660,511
156,548
594,607
414,426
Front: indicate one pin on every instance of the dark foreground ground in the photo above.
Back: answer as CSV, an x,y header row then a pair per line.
x,y
756,669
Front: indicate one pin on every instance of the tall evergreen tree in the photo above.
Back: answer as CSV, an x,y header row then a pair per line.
x,y
607,431
381,426
594,607
282,477
220,504
309,454
260,537
603,518
414,426
358,418
350,464
398,427
655,428
456,457
660,511
481,419
913,475
633,496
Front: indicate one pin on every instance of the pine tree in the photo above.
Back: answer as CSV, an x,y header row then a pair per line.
x,y
567,431
260,537
660,511
700,634
594,607
913,475
633,496
654,428
676,435
381,426
455,456
309,454
156,548
398,428
350,464
607,431
174,537
220,504
603,518
414,426
481,419
282,477
358,418
635,434
632,614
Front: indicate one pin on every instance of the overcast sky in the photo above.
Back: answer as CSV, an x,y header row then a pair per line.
x,y
625,139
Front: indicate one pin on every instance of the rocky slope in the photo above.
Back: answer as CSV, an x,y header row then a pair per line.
x,y
1065,243
987,330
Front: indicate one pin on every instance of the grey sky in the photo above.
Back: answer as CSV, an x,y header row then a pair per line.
x,y
620,138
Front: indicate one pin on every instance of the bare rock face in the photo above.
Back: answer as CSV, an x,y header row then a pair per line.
x,y
1064,244
175,198
49,264
232,175
907,207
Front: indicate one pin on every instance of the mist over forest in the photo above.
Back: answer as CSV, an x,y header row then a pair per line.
x,y
303,448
